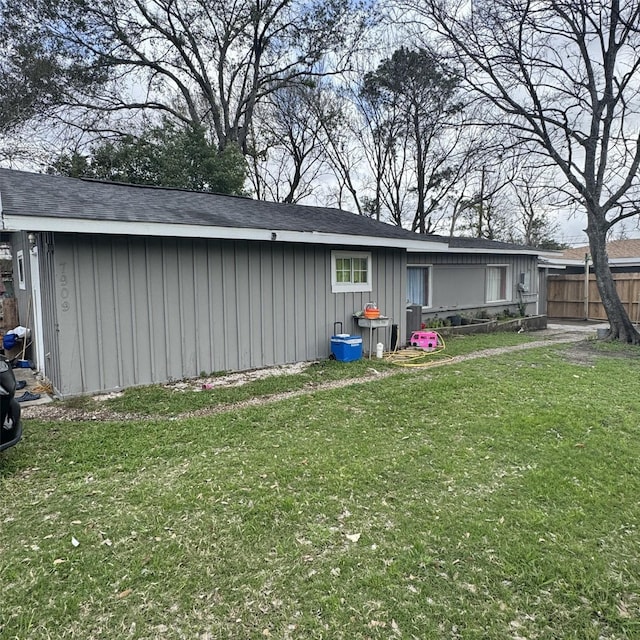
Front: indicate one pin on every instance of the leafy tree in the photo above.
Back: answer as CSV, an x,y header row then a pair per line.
x,y
166,156
34,79
26,89
564,77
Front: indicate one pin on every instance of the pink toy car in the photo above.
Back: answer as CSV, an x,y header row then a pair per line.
x,y
427,340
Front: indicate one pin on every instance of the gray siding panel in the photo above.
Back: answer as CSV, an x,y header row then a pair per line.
x,y
160,340
142,355
269,326
202,320
457,286
459,280
176,338
215,289
86,347
148,310
187,308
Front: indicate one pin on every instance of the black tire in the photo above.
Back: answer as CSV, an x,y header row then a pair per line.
x,y
11,429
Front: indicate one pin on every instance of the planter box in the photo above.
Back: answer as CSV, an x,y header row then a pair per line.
x,y
528,323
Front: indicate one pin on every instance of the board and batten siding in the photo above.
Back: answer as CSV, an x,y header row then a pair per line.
x,y
459,279
132,311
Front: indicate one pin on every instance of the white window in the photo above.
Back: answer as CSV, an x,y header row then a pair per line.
x,y
497,285
350,271
22,282
419,285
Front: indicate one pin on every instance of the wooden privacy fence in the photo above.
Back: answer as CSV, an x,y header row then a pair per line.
x,y
566,296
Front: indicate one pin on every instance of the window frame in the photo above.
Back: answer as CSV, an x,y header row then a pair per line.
x,y
349,287
429,283
21,265
505,269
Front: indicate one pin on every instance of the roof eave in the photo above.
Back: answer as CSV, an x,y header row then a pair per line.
x,y
482,250
613,262
103,227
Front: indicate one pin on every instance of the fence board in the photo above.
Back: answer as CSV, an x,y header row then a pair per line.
x,y
565,296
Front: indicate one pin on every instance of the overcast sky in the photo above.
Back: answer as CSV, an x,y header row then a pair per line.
x,y
571,231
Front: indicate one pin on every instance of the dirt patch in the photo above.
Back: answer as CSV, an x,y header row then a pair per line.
x,y
580,353
586,352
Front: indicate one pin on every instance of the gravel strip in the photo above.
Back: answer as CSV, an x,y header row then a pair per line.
x,y
57,412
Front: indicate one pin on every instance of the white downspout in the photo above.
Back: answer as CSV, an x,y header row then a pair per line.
x,y
38,325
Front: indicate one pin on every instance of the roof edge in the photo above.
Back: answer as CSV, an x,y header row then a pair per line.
x,y
89,226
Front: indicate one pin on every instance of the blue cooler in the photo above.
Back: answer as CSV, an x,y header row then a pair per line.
x,y
345,347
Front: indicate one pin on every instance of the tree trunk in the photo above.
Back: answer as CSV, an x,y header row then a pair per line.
x,y
621,327
420,222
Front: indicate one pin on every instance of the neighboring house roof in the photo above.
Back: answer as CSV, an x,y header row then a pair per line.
x,y
616,249
41,202
620,252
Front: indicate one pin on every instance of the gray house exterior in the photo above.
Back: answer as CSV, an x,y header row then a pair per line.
x,y
475,277
126,285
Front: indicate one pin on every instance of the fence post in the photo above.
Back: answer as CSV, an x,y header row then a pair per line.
x,y
586,286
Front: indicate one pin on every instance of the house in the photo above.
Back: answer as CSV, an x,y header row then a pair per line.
x,y
474,277
127,285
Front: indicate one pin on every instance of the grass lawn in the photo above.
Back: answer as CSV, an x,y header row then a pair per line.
x,y
496,498
170,400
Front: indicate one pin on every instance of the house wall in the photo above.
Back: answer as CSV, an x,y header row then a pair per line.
x,y
134,310
458,282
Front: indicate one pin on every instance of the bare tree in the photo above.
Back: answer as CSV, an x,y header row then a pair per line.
x,y
533,194
563,75
287,143
486,213
410,104
205,63
343,152
377,137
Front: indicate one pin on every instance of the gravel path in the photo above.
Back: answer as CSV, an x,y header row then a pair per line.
x,y
56,411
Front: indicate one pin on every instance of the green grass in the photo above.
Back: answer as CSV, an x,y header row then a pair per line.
x,y
487,499
170,401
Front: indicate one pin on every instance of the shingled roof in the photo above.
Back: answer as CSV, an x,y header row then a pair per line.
x,y
458,242
42,202
33,195
616,249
